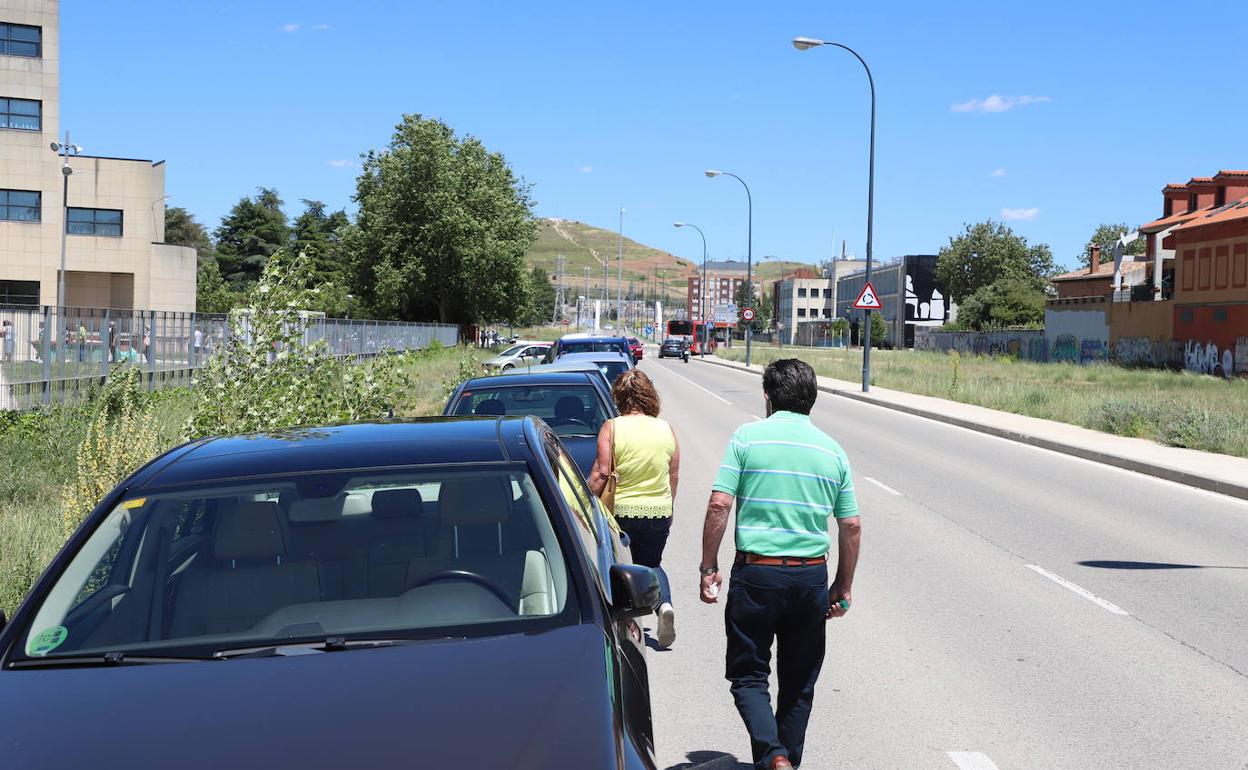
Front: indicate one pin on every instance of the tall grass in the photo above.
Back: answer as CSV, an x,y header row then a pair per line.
x,y
1173,408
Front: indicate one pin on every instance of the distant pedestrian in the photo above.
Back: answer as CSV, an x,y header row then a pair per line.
x,y
640,450
198,342
8,339
787,477
112,340
82,342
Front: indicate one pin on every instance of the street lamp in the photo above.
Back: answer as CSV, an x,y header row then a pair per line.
x,y
749,253
619,281
701,291
803,44
66,151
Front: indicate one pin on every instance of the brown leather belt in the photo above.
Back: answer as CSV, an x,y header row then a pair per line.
x,y
780,561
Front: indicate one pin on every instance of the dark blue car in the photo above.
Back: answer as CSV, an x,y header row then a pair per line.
x,y
574,404
435,593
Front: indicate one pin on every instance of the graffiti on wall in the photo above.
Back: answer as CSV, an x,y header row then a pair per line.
x,y
1065,349
1092,351
1146,352
1206,359
1024,345
1241,355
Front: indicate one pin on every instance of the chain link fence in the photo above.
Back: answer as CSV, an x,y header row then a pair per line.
x,y
54,354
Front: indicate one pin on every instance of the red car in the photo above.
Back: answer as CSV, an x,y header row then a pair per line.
x,y
635,347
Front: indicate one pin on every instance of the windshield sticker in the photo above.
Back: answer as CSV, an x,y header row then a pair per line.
x,y
46,640
137,502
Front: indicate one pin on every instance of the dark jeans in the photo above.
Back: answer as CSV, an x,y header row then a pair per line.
x,y
788,605
647,538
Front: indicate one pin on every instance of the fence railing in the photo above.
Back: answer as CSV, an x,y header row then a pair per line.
x,y
54,354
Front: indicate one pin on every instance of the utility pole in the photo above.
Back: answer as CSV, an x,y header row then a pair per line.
x,y
65,150
619,279
561,267
584,297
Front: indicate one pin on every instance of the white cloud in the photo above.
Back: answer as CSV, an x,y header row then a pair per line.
x,y
585,170
343,163
321,26
999,172
1025,215
292,27
998,103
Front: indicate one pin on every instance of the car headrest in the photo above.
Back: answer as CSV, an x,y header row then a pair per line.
x,y
313,509
491,406
474,500
569,407
396,503
250,530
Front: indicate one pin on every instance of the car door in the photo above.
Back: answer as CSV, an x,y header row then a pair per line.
x,y
602,549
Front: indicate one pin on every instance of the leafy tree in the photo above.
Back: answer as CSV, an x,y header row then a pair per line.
x,y
1004,303
879,330
1107,234
319,235
762,309
443,228
540,301
987,252
212,295
181,229
253,230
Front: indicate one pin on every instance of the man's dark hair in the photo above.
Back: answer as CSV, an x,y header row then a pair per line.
x,y
790,385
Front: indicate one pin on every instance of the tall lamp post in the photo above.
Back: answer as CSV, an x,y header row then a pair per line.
x,y
702,289
619,281
66,151
749,253
806,43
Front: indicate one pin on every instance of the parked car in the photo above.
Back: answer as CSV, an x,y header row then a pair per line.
x,y
521,355
611,363
587,344
574,404
437,593
676,347
637,349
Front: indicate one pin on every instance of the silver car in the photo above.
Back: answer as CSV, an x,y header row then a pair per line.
x,y
522,355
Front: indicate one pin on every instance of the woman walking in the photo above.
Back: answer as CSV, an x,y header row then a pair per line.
x,y
640,451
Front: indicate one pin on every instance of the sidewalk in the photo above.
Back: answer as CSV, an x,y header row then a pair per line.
x,y
1217,473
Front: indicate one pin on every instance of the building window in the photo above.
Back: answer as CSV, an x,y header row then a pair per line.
x,y
19,292
827,312
801,292
801,312
94,222
1191,202
1169,207
21,40
1219,196
21,114
827,294
19,205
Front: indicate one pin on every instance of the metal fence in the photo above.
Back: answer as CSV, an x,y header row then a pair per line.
x,y
54,354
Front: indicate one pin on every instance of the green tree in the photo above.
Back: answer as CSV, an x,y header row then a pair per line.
x,y
987,252
442,230
212,295
1005,303
879,330
539,305
1106,234
318,235
181,229
253,230
762,309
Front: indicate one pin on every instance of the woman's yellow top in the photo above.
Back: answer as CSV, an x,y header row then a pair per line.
x,y
643,454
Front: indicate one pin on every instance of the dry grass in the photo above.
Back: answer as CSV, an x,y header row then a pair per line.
x,y
1174,408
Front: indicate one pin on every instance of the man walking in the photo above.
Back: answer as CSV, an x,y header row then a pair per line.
x,y
787,478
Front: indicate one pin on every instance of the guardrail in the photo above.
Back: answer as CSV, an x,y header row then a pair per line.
x,y
52,354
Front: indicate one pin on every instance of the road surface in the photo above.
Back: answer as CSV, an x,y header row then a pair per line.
x,y
1014,607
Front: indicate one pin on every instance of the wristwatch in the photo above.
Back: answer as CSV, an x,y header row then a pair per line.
x,y
707,570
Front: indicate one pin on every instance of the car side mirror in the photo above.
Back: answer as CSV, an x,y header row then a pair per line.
x,y
634,591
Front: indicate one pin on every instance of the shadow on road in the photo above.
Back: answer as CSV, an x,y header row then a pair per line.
x,y
1149,565
711,760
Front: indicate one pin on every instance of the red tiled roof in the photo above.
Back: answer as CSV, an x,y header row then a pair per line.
x,y
1106,271
1200,180
1157,225
1231,212
1230,173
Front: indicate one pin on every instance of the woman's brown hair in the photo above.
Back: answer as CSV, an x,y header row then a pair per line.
x,y
634,392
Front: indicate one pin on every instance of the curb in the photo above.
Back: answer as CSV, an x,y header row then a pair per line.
x,y
1167,473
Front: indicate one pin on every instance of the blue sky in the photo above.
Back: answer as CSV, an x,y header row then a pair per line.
x,y
1054,116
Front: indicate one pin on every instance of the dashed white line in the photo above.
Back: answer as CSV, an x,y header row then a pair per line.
x,y
972,760
696,385
882,486
1085,593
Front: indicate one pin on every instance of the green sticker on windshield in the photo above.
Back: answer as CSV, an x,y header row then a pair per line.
x,y
46,640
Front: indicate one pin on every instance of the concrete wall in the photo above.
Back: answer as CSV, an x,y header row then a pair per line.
x,y
1027,345
1077,332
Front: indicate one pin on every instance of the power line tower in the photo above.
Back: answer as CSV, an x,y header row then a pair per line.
x,y
561,268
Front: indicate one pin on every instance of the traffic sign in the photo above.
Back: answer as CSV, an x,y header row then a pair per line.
x,y
868,300
710,324
747,314
649,330
565,322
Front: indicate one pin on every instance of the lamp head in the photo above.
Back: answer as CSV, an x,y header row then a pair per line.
x,y
56,146
678,224
710,172
806,43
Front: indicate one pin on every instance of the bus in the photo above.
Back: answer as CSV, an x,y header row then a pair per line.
x,y
716,336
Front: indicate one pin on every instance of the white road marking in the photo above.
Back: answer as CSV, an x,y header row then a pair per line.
x,y
696,385
1064,583
882,486
972,760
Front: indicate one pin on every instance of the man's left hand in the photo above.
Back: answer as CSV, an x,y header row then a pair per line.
x,y
835,595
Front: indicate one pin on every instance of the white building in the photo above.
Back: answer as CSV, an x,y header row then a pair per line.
x,y
115,254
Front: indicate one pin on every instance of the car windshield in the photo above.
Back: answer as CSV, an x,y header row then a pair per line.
x,y
511,351
357,555
570,410
593,346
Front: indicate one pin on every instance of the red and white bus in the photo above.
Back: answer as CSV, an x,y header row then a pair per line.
x,y
696,330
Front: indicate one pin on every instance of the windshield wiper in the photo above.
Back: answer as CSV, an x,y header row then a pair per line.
x,y
331,644
107,659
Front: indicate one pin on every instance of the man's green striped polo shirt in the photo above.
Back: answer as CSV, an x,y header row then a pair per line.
x,y
788,477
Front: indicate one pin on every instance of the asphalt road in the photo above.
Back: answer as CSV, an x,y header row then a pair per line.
x,y
1013,608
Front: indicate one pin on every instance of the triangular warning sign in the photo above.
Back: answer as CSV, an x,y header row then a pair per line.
x,y
868,300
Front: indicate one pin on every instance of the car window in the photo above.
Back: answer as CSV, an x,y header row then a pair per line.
x,y
570,410
362,553
511,350
577,496
593,346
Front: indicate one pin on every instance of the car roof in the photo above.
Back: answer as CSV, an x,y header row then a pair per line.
x,y
550,376
602,355
422,441
593,338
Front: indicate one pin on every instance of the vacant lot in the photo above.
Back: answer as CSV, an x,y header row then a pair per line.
x,y
39,451
1173,408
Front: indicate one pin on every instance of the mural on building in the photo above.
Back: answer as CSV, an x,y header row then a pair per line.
x,y
924,302
1205,359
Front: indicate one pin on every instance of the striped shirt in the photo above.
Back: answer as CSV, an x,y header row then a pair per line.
x,y
788,477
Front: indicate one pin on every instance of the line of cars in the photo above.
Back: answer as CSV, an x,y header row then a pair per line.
x,y
362,595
